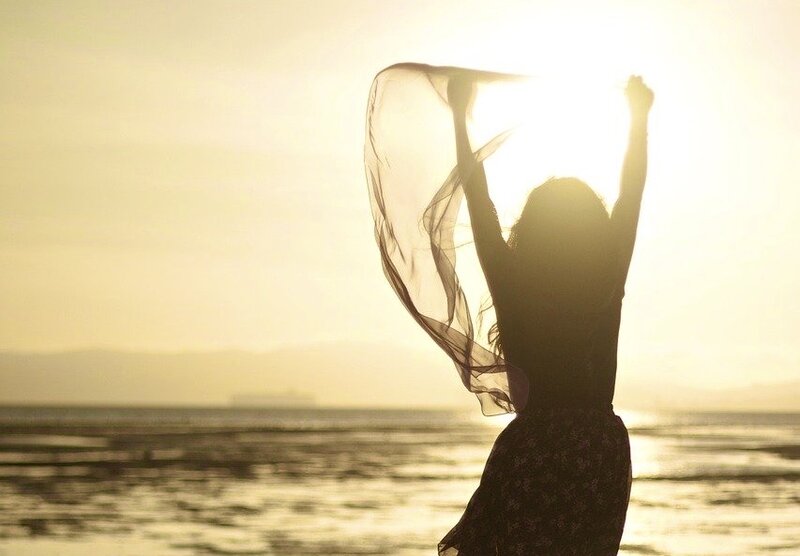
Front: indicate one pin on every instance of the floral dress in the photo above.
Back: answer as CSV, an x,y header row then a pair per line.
x,y
557,482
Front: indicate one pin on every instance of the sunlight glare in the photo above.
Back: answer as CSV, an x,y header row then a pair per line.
x,y
563,127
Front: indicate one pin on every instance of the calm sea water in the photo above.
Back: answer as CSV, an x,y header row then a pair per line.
x,y
295,482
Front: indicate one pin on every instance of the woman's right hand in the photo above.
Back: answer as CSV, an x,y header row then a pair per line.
x,y
640,96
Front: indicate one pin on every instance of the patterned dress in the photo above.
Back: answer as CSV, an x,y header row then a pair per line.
x,y
557,482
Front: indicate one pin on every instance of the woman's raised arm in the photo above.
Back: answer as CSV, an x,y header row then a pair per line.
x,y
491,247
625,216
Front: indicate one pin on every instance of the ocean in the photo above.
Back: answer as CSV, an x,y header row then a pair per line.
x,y
129,481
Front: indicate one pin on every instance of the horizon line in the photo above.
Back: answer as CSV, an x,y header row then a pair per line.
x,y
221,406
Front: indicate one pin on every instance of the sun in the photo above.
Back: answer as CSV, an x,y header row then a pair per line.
x,y
561,128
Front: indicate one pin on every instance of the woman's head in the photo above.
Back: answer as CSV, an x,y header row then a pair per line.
x,y
562,244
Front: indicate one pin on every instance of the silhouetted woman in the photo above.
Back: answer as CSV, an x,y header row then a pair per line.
x,y
557,480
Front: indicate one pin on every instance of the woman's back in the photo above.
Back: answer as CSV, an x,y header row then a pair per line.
x,y
569,359
557,285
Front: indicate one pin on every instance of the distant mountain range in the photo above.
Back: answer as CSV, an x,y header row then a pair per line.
x,y
356,375
285,399
334,374
640,394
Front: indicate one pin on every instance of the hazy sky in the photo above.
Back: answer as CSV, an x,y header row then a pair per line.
x,y
189,175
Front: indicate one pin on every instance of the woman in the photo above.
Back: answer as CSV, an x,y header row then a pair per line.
x,y
557,480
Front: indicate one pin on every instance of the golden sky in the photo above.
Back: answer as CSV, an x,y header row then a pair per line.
x,y
190,175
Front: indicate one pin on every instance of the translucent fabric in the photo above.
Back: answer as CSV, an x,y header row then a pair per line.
x,y
524,130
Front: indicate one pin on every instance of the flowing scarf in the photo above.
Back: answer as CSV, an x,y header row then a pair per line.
x,y
524,130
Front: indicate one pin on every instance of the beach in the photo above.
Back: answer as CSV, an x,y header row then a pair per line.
x,y
335,481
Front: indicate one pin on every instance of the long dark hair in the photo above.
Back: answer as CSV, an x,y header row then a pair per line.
x,y
562,246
